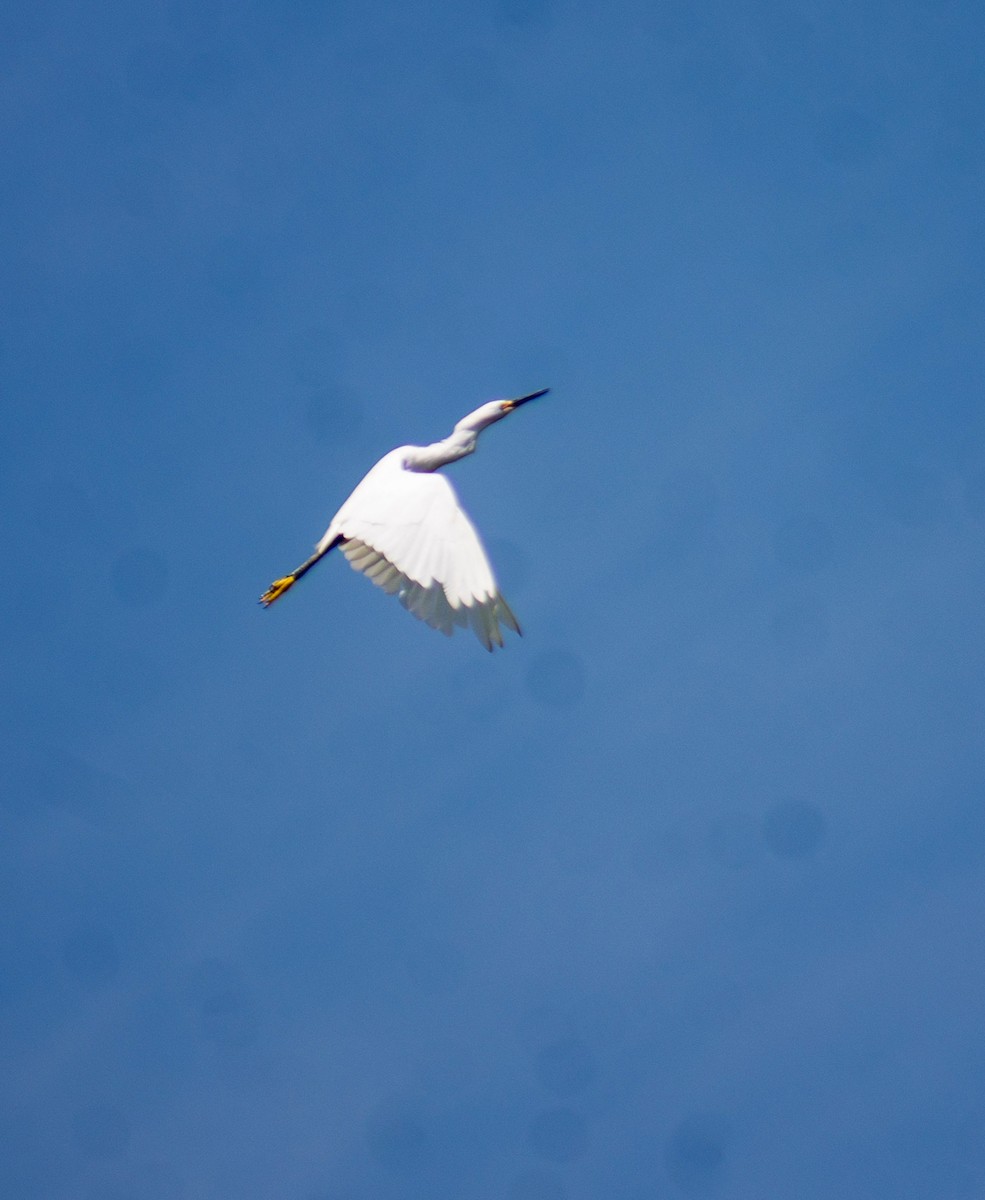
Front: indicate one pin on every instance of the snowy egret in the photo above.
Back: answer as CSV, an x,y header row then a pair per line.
x,y
404,528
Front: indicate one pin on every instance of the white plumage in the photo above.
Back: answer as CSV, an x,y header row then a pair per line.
x,y
404,529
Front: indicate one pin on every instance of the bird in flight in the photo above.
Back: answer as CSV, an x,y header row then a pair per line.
x,y
404,528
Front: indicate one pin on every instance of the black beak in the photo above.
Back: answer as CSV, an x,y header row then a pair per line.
x,y
523,399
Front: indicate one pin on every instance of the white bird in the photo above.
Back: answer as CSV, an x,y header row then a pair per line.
x,y
404,528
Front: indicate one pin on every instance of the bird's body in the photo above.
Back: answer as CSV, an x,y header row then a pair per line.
x,y
404,528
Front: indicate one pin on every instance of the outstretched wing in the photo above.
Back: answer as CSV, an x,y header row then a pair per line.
x,y
406,531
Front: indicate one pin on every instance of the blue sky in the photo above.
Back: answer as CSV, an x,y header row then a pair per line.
x,y
680,895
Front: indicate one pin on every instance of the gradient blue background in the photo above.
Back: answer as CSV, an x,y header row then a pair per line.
x,y
680,895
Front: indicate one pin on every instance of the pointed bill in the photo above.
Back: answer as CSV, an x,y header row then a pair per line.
x,y
509,405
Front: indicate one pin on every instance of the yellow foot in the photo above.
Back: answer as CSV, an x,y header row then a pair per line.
x,y
277,589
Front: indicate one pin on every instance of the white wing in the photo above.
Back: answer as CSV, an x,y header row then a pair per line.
x,y
406,531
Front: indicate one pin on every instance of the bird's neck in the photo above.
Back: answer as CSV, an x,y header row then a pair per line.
x,y
458,444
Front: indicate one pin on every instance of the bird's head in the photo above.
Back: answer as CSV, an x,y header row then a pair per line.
x,y
494,411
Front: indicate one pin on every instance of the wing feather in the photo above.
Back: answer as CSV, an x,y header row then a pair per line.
x,y
388,580
505,614
380,567
361,556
